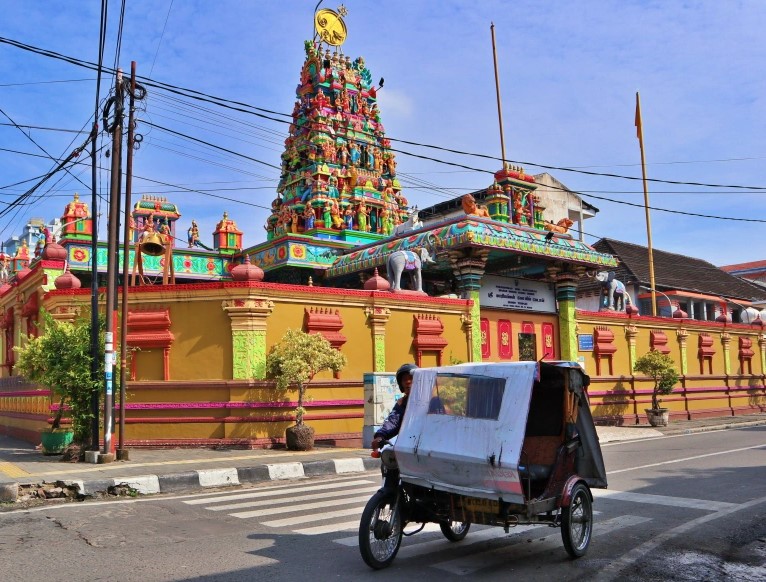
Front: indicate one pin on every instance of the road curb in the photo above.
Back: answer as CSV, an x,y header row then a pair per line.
x,y
722,426
151,484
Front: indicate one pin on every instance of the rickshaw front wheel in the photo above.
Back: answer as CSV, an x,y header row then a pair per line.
x,y
380,530
577,522
455,531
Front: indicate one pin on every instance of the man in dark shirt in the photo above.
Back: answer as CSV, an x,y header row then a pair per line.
x,y
393,423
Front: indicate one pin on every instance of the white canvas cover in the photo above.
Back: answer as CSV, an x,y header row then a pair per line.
x,y
478,457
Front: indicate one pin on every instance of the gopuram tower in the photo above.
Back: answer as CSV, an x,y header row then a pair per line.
x,y
338,177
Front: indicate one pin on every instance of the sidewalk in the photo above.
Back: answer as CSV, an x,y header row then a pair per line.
x,y
23,468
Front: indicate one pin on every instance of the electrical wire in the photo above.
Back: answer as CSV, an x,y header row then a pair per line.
x,y
250,109
162,35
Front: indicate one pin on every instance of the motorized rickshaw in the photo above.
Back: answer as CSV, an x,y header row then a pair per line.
x,y
500,444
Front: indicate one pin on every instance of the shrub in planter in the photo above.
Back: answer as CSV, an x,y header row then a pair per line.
x,y
294,361
661,369
60,359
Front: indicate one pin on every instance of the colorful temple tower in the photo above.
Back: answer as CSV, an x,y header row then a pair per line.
x,y
160,212
76,222
227,238
338,172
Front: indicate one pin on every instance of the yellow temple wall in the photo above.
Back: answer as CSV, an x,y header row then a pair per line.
x,y
518,320
194,392
714,386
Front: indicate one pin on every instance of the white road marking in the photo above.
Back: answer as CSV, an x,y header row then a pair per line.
x,y
329,528
496,557
358,500
316,517
284,500
613,570
284,489
684,459
666,500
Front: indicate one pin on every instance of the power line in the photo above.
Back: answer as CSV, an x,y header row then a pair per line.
x,y
252,110
212,145
162,35
42,82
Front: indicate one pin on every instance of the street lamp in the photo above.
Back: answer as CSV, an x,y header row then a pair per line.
x,y
678,314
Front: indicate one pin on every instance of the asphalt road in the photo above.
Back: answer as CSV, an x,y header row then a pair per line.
x,y
689,507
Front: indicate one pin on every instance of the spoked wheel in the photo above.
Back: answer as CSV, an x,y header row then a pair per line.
x,y
455,531
577,522
380,530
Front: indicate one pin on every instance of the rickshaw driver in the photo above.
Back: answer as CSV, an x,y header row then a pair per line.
x,y
393,422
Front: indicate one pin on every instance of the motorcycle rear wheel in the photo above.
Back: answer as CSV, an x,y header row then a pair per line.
x,y
380,530
455,531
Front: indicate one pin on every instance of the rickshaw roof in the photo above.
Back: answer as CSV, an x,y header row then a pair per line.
x,y
473,450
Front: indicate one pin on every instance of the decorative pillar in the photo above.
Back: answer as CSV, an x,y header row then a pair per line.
x,y
726,343
566,291
468,268
683,335
377,318
762,346
248,336
631,331
467,320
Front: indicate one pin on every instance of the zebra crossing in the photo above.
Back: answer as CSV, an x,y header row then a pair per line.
x,y
334,506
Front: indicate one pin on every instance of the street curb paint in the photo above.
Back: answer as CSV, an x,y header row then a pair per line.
x,y
144,484
218,477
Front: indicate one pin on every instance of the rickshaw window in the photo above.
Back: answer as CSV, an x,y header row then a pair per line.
x,y
465,395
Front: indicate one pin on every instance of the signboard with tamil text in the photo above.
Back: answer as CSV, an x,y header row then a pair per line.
x,y
517,294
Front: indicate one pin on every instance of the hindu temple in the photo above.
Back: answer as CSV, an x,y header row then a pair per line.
x,y
489,276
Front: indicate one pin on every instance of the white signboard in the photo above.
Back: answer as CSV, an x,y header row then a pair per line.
x,y
517,294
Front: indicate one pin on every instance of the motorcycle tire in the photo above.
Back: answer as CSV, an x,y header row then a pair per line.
x,y
380,530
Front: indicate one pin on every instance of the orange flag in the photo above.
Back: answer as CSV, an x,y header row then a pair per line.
x,y
639,128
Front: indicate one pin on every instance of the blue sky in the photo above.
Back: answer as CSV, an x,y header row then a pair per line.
x,y
569,73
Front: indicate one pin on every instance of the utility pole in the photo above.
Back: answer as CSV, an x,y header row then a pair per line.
x,y
111,285
123,453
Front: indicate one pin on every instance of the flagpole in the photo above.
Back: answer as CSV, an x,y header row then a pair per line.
x,y
640,133
497,90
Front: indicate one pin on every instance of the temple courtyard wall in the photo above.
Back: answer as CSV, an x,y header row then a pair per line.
x,y
197,357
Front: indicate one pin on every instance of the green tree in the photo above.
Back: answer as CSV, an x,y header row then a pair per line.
x,y
660,368
297,358
60,359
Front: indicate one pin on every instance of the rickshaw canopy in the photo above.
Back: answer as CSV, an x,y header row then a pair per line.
x,y
465,425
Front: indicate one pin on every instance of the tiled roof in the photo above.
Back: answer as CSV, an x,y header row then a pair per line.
x,y
677,272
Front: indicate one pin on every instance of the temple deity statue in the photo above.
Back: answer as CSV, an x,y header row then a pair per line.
x,y
308,218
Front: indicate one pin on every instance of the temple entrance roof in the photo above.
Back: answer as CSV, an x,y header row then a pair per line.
x,y
503,240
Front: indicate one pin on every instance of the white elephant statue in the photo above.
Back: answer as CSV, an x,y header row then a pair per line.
x,y
617,295
412,223
400,261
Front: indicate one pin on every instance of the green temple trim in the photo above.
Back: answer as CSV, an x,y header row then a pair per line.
x,y
478,233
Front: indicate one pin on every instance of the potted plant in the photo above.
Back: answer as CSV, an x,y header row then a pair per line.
x,y
60,359
294,361
660,368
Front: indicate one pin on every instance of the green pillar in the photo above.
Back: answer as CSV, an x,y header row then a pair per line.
x,y
377,317
248,336
762,346
566,288
468,268
683,335
475,326
726,343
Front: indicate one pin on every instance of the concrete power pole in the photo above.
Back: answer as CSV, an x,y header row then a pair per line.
x,y
112,268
